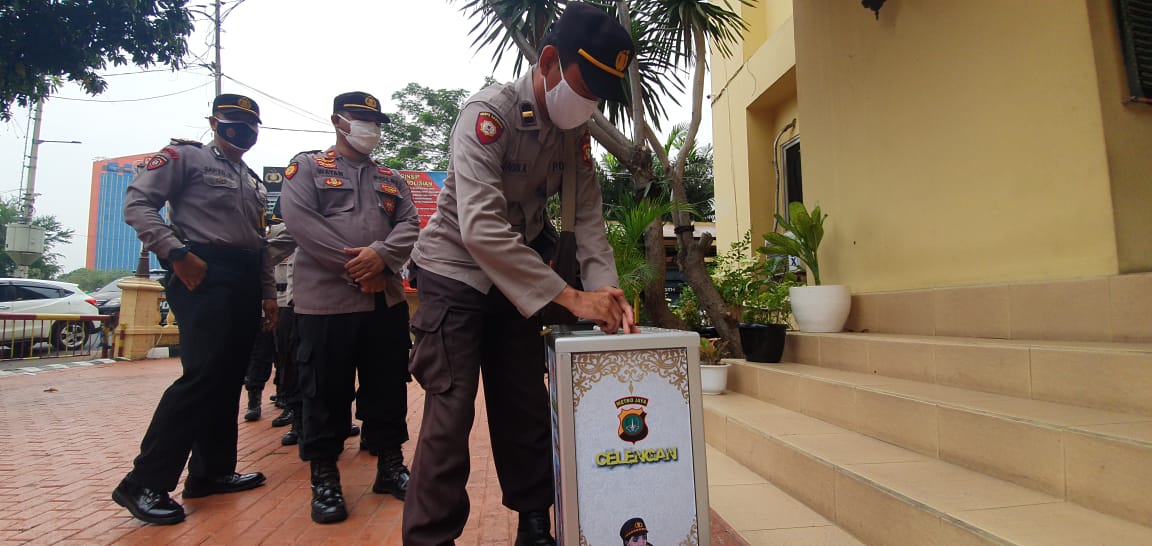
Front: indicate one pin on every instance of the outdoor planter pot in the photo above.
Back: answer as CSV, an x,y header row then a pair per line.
x,y
821,308
714,378
763,342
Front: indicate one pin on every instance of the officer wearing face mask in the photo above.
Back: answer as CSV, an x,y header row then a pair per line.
x,y
212,251
481,283
354,225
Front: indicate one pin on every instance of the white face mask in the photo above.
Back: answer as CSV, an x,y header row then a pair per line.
x,y
363,136
566,108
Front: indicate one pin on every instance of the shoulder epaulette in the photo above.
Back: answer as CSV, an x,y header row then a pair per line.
x,y
185,142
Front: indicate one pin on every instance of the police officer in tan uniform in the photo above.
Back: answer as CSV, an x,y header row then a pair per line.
x,y
212,251
354,224
480,282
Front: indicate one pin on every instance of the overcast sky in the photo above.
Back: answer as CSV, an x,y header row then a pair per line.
x,y
302,53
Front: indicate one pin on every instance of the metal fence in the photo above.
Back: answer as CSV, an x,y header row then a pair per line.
x,y
55,336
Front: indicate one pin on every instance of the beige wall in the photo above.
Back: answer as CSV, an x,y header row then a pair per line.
x,y
1128,134
958,143
751,102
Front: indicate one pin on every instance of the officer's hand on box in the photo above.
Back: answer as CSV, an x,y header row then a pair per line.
x,y
365,264
605,306
189,268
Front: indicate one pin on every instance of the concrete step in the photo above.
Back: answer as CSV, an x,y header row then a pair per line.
x,y
763,514
1096,458
1114,376
885,494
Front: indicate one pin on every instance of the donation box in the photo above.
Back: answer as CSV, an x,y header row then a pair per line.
x,y
628,437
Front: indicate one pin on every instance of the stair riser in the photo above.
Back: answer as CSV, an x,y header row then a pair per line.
x,y
1098,309
1109,380
855,504
1116,479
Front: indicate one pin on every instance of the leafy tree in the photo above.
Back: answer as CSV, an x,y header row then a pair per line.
x,y
48,266
93,279
617,185
43,42
672,39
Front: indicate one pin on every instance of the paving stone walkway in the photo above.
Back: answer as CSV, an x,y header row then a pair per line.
x,y
67,436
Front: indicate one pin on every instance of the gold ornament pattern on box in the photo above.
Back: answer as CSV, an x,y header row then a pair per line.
x,y
629,367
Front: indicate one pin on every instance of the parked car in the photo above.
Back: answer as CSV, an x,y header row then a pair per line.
x,y
32,296
108,296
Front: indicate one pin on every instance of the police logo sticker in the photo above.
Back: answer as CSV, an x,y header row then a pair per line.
x,y
633,419
333,182
157,161
488,128
389,189
291,170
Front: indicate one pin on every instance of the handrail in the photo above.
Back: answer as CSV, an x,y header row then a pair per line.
x,y
49,316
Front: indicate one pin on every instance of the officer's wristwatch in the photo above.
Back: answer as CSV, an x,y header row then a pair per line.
x,y
177,254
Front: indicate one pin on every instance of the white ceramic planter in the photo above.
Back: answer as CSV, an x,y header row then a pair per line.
x,y
714,378
820,308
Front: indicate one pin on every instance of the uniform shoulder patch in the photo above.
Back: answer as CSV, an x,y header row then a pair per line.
x,y
170,152
291,170
586,148
489,128
384,171
389,189
330,153
157,161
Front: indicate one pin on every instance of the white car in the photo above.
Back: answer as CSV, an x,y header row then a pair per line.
x,y
37,297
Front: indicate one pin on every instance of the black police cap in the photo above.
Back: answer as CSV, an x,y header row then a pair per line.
x,y
633,527
229,102
599,44
358,101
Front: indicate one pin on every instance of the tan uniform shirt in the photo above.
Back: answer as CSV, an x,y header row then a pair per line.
x,y
330,203
211,201
505,163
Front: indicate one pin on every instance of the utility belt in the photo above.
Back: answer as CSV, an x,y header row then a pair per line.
x,y
240,256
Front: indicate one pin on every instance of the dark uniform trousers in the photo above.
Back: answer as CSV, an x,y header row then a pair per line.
x,y
461,334
288,388
197,414
332,351
260,366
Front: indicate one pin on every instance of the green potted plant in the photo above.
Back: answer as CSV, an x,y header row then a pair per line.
x,y
713,370
757,293
817,308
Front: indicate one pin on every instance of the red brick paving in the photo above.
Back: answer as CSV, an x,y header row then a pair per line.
x,y
67,437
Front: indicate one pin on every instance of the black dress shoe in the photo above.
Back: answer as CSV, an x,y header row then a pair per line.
x,y
202,487
290,438
148,505
284,419
534,530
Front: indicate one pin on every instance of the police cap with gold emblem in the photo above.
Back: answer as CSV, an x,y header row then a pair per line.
x,y
229,102
358,101
599,44
633,527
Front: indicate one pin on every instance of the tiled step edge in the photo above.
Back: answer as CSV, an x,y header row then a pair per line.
x,y
1099,459
756,511
883,494
1103,375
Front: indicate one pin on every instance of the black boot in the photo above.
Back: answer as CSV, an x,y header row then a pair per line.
x,y
534,530
253,413
284,418
292,437
391,474
327,497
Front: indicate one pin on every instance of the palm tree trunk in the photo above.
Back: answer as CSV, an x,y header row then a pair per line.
x,y
654,303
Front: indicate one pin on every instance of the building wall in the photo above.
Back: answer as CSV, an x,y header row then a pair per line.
x,y
753,98
957,143
112,244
